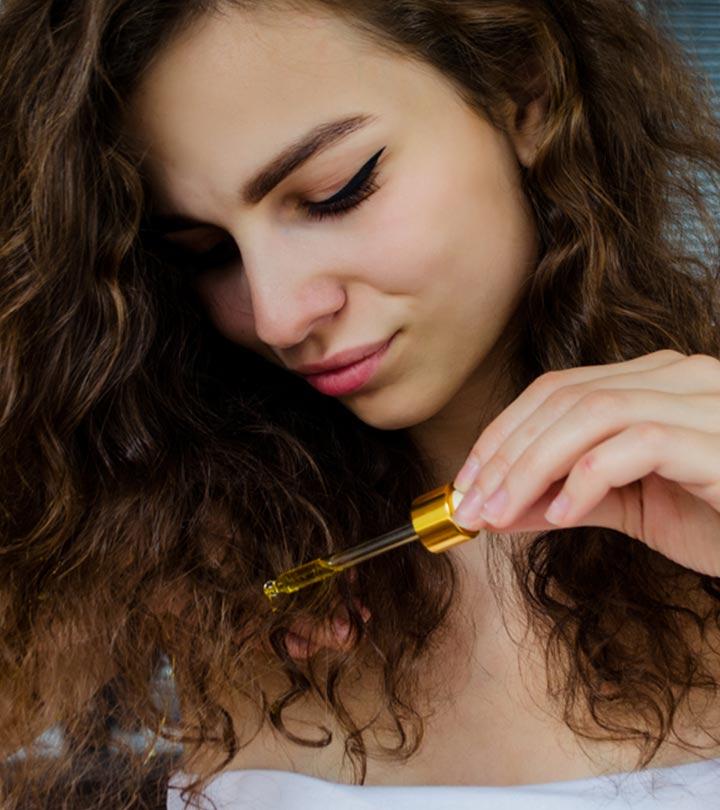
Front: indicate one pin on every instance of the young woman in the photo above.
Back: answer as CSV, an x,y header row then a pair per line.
x,y
500,213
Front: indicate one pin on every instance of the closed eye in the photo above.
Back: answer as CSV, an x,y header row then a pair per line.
x,y
360,188
356,191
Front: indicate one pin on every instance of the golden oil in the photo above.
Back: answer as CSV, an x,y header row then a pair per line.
x,y
296,578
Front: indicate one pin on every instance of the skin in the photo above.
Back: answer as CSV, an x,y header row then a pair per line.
x,y
439,252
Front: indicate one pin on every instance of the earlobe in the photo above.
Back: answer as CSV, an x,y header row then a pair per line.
x,y
526,129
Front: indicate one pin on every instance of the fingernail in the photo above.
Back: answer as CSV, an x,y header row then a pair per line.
x,y
558,508
468,510
468,473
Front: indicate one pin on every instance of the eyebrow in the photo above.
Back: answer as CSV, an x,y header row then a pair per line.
x,y
278,169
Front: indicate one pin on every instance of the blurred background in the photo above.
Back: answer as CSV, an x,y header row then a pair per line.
x,y
696,23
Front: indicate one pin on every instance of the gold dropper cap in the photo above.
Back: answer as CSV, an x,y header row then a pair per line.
x,y
431,522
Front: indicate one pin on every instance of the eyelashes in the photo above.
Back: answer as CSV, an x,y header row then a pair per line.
x,y
355,192
360,188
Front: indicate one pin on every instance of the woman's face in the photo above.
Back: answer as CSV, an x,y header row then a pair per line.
x,y
436,255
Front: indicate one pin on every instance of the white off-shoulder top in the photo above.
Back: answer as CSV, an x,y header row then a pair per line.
x,y
693,786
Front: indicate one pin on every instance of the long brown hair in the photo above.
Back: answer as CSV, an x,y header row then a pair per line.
x,y
153,474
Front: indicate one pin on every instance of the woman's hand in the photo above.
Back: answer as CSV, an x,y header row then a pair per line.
x,y
631,446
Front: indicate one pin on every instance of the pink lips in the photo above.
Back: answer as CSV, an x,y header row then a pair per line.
x,y
349,378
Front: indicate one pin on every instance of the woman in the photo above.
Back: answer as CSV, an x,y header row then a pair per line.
x,y
208,204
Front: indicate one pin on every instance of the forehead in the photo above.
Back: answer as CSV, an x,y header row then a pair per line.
x,y
255,71
256,51
234,88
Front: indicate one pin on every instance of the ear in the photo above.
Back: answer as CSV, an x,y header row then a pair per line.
x,y
305,637
525,127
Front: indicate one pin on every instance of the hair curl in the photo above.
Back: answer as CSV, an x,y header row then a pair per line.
x,y
147,492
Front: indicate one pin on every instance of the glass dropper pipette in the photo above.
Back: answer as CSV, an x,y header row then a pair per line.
x,y
430,522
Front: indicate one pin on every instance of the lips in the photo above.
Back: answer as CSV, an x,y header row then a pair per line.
x,y
342,359
349,378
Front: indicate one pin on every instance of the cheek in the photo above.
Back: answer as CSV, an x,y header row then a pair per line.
x,y
480,239
408,241
226,299
432,234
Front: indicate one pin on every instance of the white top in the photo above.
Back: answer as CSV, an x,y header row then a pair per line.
x,y
694,786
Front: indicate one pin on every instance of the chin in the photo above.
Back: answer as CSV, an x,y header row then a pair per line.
x,y
398,417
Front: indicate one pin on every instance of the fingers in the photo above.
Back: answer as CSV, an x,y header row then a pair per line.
x,y
608,375
552,439
675,509
684,455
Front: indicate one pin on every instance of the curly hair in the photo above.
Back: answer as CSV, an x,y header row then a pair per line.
x,y
147,493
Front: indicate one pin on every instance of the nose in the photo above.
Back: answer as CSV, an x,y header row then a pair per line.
x,y
291,296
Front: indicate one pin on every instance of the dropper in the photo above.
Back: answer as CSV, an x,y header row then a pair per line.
x,y
430,522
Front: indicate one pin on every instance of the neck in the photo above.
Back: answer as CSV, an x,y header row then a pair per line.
x,y
448,436
484,564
